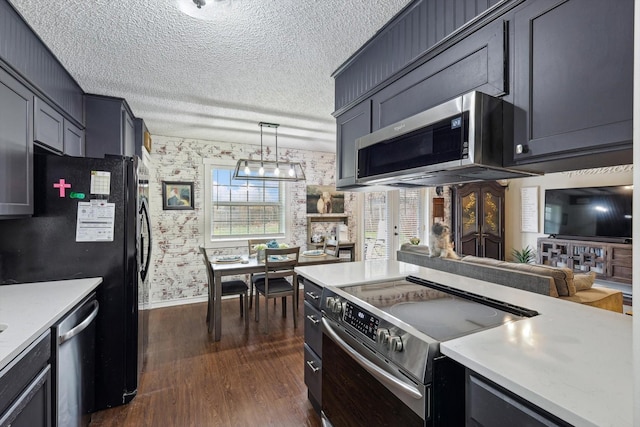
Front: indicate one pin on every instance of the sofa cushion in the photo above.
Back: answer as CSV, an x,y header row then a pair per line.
x,y
584,281
562,277
559,277
600,297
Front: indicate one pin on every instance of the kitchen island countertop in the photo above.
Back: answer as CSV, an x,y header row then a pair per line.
x,y
571,360
29,309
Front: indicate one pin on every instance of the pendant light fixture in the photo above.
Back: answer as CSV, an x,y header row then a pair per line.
x,y
268,170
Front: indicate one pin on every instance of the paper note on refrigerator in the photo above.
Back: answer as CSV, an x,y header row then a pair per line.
x,y
100,182
96,221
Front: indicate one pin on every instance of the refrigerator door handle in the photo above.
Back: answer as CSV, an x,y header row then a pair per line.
x,y
81,326
144,215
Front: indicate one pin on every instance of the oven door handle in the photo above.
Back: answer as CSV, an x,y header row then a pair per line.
x,y
370,367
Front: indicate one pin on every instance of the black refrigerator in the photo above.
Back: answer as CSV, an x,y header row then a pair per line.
x,y
90,219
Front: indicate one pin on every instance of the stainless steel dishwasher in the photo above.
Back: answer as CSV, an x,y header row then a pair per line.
x,y
74,365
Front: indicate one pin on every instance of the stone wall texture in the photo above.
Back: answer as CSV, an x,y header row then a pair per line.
x,y
177,272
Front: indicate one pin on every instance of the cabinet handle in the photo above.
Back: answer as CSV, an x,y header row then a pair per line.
x,y
312,295
314,368
313,319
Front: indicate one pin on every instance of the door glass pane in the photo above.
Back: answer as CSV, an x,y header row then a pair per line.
x,y
491,214
469,218
375,226
410,212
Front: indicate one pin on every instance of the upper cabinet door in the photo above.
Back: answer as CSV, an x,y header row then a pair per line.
x,y
48,127
16,147
573,79
110,127
73,140
474,63
351,125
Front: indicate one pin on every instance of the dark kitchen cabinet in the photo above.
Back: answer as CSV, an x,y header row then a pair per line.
x,y
479,220
48,126
110,127
414,35
53,132
573,80
73,140
474,63
351,125
16,147
313,343
25,387
28,56
488,405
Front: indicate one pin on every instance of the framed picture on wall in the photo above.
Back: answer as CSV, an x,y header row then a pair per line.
x,y
177,195
324,199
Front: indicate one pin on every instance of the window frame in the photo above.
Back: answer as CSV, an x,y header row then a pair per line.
x,y
223,242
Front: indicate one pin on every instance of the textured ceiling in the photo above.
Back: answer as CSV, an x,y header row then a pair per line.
x,y
214,79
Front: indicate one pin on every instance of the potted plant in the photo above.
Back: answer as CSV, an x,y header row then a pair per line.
x,y
525,256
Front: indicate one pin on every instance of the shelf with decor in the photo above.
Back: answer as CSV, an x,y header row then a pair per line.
x,y
610,261
312,225
323,218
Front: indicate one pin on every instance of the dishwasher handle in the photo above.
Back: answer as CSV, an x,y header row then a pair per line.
x,y
81,326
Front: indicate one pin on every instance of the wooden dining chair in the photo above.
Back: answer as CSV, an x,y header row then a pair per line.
x,y
331,247
253,276
280,280
229,287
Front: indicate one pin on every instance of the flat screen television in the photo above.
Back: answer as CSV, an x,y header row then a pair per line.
x,y
597,213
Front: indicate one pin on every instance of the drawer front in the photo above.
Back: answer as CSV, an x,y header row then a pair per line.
x,y
622,256
21,370
313,327
313,373
312,293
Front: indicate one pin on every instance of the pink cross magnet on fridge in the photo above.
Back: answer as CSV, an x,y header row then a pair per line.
x,y
62,186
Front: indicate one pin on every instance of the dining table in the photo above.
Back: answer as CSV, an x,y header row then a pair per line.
x,y
245,265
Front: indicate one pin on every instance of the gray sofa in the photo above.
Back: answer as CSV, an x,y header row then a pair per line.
x,y
542,279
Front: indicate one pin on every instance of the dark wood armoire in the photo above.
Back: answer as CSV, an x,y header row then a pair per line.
x,y
478,219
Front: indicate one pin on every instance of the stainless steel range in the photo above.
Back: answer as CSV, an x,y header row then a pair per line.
x,y
380,352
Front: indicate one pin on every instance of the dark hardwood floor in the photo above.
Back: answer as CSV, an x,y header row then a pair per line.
x,y
246,379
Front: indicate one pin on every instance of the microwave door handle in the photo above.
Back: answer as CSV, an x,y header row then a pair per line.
x,y
370,367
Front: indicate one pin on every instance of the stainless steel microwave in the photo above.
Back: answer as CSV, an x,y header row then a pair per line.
x,y
458,141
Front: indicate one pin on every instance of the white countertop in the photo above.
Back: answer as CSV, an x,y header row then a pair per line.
x,y
354,273
571,360
29,309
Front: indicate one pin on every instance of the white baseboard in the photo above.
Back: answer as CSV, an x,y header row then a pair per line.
x,y
180,301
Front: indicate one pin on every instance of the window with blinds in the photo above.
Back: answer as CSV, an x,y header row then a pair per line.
x,y
410,214
245,208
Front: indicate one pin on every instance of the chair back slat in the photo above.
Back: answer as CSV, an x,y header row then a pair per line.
x,y
254,242
207,263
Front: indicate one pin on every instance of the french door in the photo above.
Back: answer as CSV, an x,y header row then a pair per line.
x,y
391,218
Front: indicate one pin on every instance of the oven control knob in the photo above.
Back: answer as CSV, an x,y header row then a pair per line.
x,y
337,306
330,302
383,335
395,343
334,304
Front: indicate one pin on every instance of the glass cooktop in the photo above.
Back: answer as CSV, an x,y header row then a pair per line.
x,y
441,312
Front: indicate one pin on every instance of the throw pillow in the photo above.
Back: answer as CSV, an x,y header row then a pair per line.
x,y
584,281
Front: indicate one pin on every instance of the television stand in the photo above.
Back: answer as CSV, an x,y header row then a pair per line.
x,y
609,260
